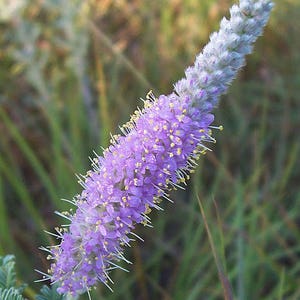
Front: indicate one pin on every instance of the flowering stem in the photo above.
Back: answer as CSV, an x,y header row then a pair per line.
x,y
156,152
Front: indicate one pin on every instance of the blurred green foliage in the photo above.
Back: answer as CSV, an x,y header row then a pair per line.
x,y
9,289
71,71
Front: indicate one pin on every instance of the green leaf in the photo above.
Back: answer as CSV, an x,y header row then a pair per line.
x,y
10,294
7,272
49,294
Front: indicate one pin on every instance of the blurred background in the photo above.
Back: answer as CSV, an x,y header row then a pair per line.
x,y
72,71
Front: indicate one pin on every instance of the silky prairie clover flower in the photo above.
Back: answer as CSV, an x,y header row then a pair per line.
x,y
155,154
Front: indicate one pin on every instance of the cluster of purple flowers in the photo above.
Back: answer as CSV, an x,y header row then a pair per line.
x,y
136,170
156,153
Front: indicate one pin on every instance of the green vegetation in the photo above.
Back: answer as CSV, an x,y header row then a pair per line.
x,y
72,71
11,290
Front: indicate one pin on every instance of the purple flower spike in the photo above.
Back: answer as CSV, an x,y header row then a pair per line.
x,y
136,171
157,151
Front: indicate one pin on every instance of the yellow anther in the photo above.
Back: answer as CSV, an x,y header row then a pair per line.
x,y
180,118
148,209
150,95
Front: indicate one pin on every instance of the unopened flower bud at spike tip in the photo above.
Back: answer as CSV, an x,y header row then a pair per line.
x,y
158,150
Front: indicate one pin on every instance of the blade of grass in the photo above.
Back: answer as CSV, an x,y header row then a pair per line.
x,y
220,230
102,99
228,295
281,285
240,244
24,196
140,273
101,36
30,155
291,163
6,239
76,118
